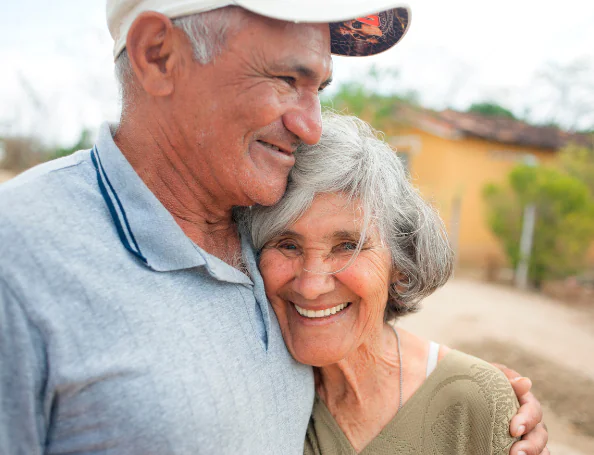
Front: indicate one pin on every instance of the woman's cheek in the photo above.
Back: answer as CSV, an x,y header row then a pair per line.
x,y
275,269
369,282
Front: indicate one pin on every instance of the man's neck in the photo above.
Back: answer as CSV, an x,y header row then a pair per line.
x,y
204,219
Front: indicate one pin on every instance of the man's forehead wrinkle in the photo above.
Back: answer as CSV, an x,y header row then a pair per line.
x,y
289,47
257,64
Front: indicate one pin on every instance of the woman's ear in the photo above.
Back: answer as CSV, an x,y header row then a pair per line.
x,y
154,48
397,278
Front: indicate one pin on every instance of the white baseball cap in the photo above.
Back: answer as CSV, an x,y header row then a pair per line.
x,y
357,27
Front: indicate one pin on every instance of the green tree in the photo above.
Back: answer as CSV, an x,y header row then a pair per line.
x,y
578,161
491,109
84,142
371,97
564,222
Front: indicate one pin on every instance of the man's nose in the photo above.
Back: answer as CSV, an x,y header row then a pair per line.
x,y
305,119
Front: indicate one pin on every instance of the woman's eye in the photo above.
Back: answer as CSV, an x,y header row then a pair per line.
x,y
289,249
347,246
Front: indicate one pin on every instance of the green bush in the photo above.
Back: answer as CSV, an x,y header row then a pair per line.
x,y
578,161
84,142
564,226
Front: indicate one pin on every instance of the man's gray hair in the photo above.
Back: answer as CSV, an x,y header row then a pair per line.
x,y
351,159
207,33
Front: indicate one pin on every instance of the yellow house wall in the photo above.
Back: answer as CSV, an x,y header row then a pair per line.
x,y
445,169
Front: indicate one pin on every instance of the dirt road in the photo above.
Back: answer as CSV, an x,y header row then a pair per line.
x,y
5,175
551,342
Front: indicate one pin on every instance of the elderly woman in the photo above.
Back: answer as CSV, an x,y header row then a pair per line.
x,y
349,249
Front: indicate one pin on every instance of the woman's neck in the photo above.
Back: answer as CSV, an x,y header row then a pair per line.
x,y
362,391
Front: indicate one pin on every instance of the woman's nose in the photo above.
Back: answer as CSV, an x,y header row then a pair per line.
x,y
315,278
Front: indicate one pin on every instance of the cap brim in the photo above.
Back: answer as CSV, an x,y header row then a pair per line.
x,y
356,28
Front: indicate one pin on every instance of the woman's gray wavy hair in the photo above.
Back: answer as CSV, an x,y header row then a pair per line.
x,y
351,159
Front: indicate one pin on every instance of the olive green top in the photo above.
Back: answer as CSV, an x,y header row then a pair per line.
x,y
463,408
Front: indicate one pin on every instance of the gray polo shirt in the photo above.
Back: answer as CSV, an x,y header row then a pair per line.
x,y
118,335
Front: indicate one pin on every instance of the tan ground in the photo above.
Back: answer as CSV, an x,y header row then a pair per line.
x,y
550,342
5,175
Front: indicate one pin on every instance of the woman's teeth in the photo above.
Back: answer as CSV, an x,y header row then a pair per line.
x,y
321,313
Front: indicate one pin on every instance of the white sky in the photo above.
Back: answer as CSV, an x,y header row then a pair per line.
x,y
456,52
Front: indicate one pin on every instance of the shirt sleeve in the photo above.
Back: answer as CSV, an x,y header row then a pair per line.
x,y
502,405
469,408
22,379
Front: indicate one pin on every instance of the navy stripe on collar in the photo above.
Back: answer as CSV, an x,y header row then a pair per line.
x,y
117,210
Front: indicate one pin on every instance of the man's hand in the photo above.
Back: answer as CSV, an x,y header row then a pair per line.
x,y
527,423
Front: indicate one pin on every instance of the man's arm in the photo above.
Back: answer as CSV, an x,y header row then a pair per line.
x,y
22,367
527,423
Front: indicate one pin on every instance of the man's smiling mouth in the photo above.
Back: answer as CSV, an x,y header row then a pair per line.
x,y
273,147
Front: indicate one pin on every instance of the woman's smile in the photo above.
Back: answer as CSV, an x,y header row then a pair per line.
x,y
311,314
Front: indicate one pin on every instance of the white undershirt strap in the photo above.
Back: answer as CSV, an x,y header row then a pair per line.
x,y
433,355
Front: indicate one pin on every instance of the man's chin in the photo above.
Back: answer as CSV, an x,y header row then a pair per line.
x,y
269,195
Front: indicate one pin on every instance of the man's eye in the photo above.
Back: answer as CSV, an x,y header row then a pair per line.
x,y
288,79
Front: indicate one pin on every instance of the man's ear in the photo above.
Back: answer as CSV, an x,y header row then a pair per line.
x,y
153,49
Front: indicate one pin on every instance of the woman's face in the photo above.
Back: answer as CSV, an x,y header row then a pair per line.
x,y
325,317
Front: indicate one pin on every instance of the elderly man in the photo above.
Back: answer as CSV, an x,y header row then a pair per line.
x,y
133,319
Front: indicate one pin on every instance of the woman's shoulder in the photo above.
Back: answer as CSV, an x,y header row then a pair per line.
x,y
458,363
469,396
453,375
462,370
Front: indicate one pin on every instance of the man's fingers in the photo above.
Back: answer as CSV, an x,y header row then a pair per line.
x,y
528,416
521,386
534,443
530,412
511,374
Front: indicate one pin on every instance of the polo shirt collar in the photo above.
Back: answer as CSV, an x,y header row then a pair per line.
x,y
145,227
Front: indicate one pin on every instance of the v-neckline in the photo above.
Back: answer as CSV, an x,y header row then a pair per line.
x,y
331,422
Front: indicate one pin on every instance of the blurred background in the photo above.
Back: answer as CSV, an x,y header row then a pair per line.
x,y
491,109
